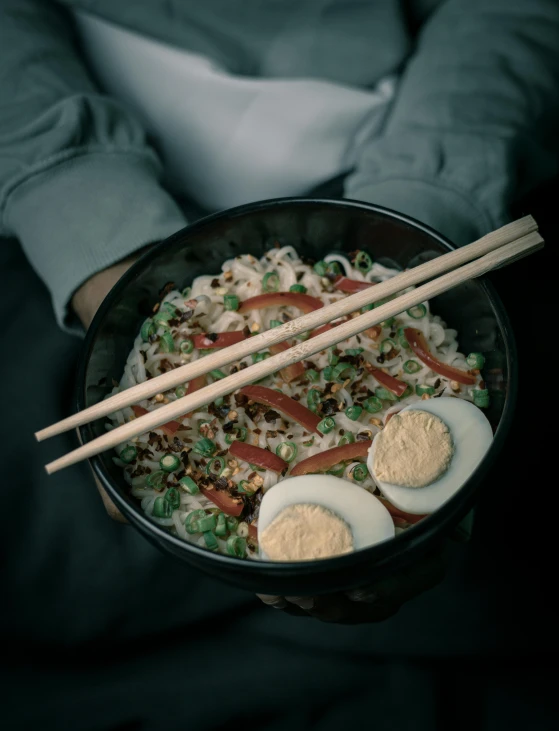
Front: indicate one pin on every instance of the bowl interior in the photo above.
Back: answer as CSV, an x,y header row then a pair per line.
x,y
314,228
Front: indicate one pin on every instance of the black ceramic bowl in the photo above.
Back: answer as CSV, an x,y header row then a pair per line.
x,y
314,228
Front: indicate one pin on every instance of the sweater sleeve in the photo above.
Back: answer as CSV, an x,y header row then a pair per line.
x,y
474,124
79,186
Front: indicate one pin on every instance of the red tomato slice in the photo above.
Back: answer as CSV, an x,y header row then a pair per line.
x,y
325,328
291,372
195,385
397,513
169,428
291,408
225,502
258,456
278,299
419,346
351,286
324,460
223,340
392,384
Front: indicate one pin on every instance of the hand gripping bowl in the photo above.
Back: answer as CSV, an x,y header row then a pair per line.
x,y
314,227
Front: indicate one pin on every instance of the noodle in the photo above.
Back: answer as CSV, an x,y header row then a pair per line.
x,y
202,309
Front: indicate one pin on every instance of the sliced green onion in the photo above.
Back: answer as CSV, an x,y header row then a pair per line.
x,y
326,425
417,312
207,523
312,375
157,480
411,366
481,397
275,323
368,308
271,282
205,447
191,522
215,466
327,373
334,268
232,522
372,405
298,288
302,337
148,329
337,470
257,357
321,267
169,462
221,527
313,399
180,391
239,434
309,442
333,358
188,484
219,402
166,343
363,262
353,412
128,454
231,302
388,323
287,451
347,438
343,371
387,345
172,496
186,292
211,541
360,472
354,351
205,351
165,313
186,346
236,546
161,508
256,468
242,529
245,487
217,374
420,390
385,394
402,338
406,393
475,360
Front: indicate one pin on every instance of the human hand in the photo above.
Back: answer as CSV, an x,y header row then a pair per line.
x,y
85,302
373,603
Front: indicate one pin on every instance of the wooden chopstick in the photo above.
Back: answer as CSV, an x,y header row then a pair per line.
x,y
181,375
506,254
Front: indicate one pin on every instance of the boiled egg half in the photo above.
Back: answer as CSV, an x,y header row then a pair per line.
x,y
471,435
318,516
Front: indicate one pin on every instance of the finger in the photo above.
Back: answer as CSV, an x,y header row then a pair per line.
x,y
277,602
340,609
404,585
304,602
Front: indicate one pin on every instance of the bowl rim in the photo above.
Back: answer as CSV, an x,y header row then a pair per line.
x,y
425,530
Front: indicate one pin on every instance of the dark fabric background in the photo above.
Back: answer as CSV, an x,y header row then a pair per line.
x,y
101,632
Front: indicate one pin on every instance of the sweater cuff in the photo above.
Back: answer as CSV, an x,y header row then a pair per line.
x,y
447,211
87,213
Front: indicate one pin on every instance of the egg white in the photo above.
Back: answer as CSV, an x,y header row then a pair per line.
x,y
472,436
369,520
